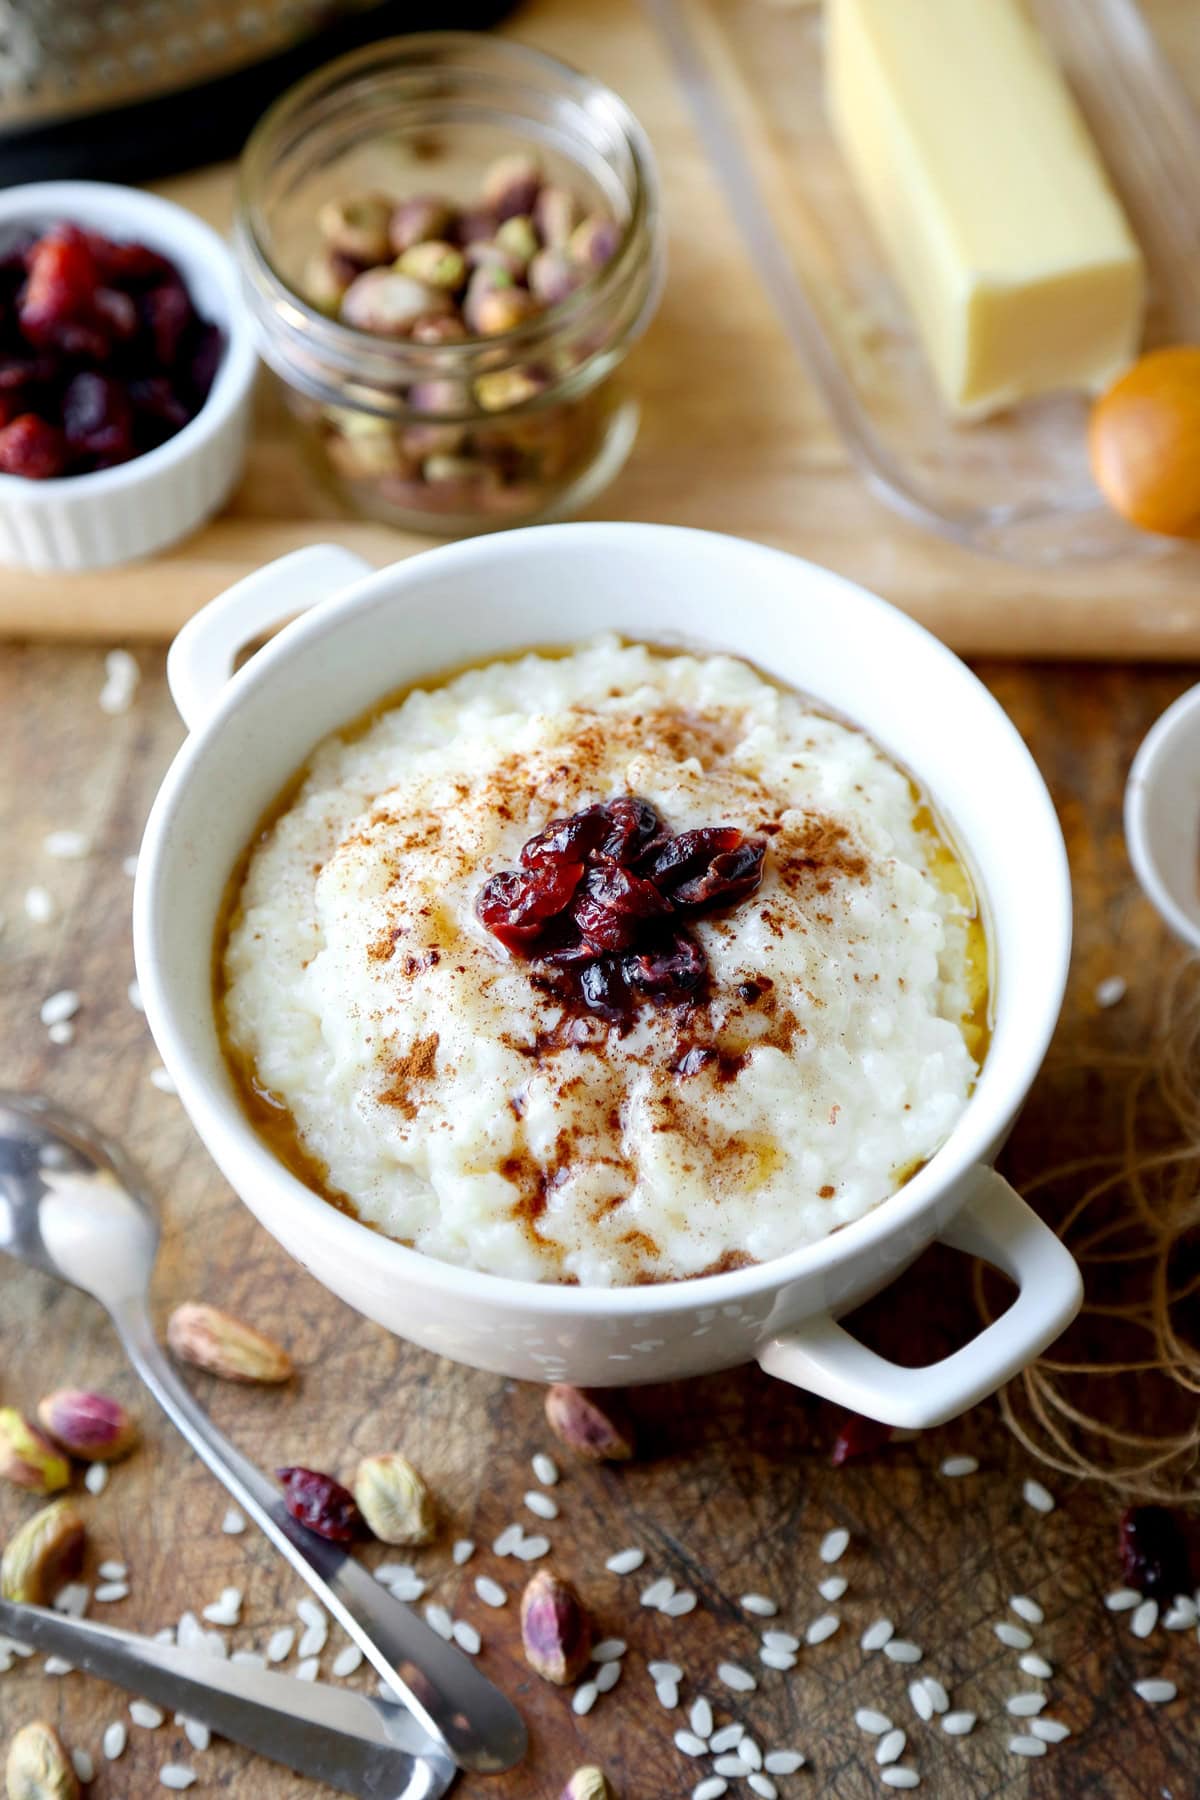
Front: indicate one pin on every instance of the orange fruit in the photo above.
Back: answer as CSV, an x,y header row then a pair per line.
x,y
1144,442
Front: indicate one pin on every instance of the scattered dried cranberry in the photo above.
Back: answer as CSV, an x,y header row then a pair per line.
x,y
321,1503
858,1436
97,417
29,446
594,900
1154,1553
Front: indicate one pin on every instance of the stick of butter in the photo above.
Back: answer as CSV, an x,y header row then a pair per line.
x,y
981,180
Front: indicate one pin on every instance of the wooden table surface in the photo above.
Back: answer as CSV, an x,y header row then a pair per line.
x,y
734,1491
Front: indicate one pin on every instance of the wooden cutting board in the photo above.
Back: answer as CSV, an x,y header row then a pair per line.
x,y
733,436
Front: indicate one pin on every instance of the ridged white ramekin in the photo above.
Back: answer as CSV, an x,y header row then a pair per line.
x,y
91,521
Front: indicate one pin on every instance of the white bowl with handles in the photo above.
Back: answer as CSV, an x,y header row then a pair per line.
x,y
371,632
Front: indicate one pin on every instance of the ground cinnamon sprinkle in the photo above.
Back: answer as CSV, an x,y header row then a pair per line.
x,y
417,1064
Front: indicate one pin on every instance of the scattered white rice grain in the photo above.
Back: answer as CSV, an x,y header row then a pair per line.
x,y
1052,1731
584,1698
1014,1636
198,1736
1144,1619
408,1588
664,1671
227,1610
61,1032
667,1694
872,1722
177,1776
490,1592
189,1633
955,1466
234,1523
1024,1706
758,1783
463,1551
162,1081
1155,1692
109,1591
760,1605
72,1600
710,1789
38,905
348,1661
700,1718
508,1540
133,994
254,1659
958,1724
890,1747
546,1469
1026,1746
1027,1609
67,846
95,1479
625,1562
313,1641
876,1636
921,1703
607,1677
901,1651
389,1572
822,1628
691,1743
439,1620
781,1660
609,1650
897,1776
733,1676
541,1504
1181,1615
1037,1666
780,1640
58,1665
114,1740
57,1008
658,1592
679,1604
307,1670
726,1738
466,1637
147,1716
1123,1600
1111,991
531,1548
279,1644
731,1765
833,1588
83,1766
939,1699
833,1545
782,1762
1037,1496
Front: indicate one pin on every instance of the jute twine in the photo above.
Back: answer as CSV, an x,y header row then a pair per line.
x,y
1132,1221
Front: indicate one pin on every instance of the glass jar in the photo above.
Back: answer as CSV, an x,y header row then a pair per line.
x,y
452,437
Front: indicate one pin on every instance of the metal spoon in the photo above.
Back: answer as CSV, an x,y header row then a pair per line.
x,y
73,1205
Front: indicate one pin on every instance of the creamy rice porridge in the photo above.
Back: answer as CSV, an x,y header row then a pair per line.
x,y
719,1019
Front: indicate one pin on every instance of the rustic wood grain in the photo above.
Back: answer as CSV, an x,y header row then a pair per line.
x,y
734,1491
733,435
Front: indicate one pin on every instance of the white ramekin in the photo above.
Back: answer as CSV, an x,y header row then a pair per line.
x,y
91,521
1162,816
373,632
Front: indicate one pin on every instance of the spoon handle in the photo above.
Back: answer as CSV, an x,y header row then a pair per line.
x,y
481,1728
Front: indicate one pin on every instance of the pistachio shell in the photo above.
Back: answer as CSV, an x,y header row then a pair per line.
x,y
38,1768
27,1458
91,1426
213,1340
394,1500
555,1630
46,1551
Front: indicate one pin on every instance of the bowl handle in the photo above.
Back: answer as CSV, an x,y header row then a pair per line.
x,y
205,653
997,1225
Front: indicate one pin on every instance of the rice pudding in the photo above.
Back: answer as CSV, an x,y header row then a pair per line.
x,y
728,1001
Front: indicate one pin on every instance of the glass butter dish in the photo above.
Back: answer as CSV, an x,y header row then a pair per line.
x,y
1016,485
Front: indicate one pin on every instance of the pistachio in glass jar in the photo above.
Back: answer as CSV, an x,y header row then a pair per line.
x,y
447,324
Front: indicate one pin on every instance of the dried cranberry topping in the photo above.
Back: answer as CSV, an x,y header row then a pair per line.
x,y
321,1503
101,346
596,902
1154,1552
